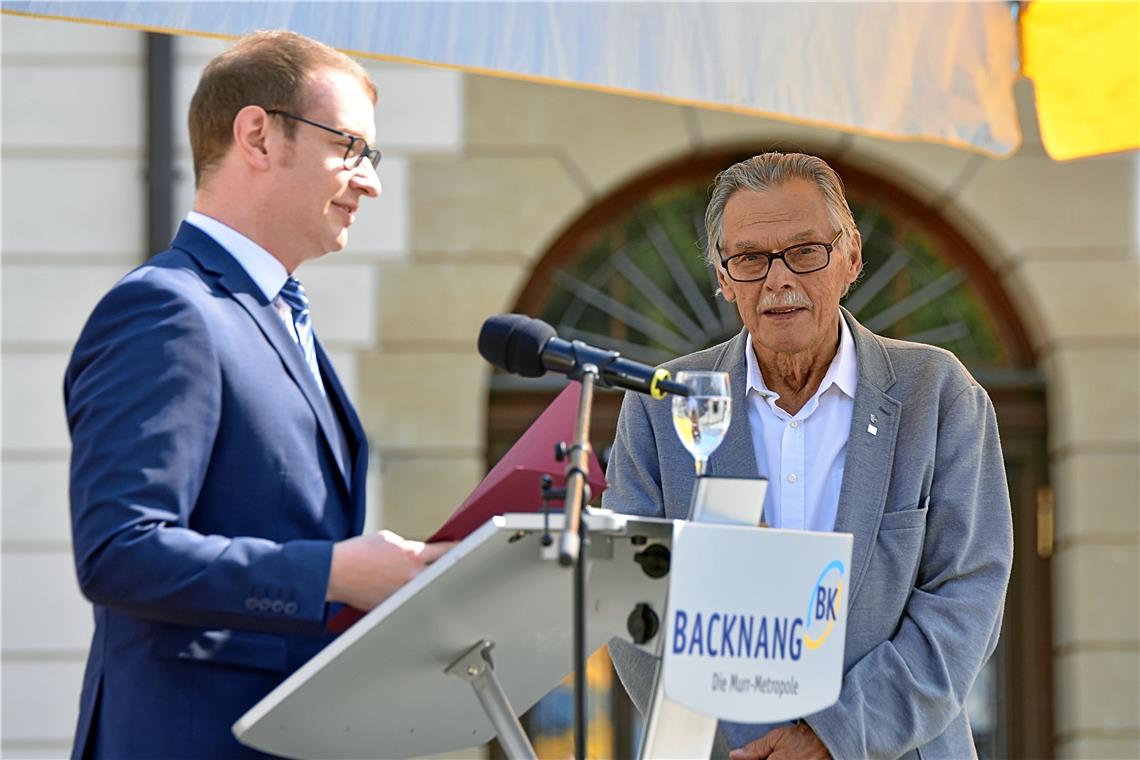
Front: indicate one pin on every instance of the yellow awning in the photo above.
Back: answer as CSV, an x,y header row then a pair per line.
x,y
1084,60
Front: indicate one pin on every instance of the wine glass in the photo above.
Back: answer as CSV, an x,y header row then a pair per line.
x,y
701,418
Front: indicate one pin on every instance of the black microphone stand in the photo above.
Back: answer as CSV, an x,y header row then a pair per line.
x,y
526,346
575,538
585,364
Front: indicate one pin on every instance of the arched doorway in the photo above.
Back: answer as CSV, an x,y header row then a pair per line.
x,y
628,274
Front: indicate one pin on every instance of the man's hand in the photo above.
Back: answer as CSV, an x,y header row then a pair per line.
x,y
367,569
796,742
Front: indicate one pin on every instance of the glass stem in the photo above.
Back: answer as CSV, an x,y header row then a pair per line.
x,y
702,463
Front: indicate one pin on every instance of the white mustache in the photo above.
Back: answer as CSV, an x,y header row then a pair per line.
x,y
785,299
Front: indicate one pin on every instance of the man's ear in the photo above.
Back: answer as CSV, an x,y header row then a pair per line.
x,y
856,257
251,136
726,284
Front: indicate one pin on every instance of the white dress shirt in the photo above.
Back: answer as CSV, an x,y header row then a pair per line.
x,y
803,456
262,267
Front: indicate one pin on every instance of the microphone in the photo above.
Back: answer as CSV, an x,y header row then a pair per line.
x,y
531,348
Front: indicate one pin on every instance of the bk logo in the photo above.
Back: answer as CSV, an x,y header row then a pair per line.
x,y
823,607
825,603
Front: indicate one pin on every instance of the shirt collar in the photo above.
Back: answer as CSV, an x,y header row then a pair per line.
x,y
843,372
266,271
844,369
754,378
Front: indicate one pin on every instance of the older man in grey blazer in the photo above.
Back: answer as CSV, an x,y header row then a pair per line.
x,y
893,442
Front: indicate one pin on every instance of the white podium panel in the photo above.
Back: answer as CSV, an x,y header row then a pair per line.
x,y
757,621
381,690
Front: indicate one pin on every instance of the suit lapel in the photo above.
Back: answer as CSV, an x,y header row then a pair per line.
x,y
870,451
234,280
354,437
278,336
353,429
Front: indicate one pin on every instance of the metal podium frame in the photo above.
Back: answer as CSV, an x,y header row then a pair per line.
x,y
492,612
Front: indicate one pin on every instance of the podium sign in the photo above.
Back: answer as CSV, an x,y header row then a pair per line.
x,y
756,623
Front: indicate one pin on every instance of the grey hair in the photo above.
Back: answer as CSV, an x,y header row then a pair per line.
x,y
767,171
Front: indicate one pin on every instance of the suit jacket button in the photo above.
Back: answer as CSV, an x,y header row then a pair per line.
x,y
291,608
278,605
250,603
264,604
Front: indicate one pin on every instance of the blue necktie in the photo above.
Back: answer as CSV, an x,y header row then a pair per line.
x,y
293,294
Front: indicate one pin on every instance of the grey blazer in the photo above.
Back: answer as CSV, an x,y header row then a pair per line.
x,y
927,503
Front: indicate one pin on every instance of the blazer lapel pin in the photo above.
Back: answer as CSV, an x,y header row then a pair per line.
x,y
873,428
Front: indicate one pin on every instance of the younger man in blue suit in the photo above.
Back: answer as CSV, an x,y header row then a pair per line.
x,y
218,468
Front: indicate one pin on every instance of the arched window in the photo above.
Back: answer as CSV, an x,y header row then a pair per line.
x,y
630,274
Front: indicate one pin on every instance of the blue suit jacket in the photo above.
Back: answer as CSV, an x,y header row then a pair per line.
x,y
209,481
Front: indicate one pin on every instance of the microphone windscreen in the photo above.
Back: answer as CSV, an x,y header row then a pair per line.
x,y
514,342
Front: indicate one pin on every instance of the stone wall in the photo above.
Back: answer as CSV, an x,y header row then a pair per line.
x,y
73,222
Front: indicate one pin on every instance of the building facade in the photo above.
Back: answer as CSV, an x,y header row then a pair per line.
x,y
491,188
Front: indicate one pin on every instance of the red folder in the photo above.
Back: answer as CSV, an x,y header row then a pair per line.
x,y
512,485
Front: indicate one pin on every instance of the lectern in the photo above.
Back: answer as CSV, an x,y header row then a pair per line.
x,y
474,640
451,659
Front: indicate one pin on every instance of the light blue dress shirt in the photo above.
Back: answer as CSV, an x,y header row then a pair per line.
x,y
803,455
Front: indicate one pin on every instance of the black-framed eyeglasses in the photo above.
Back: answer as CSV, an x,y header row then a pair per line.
x,y
800,259
357,149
